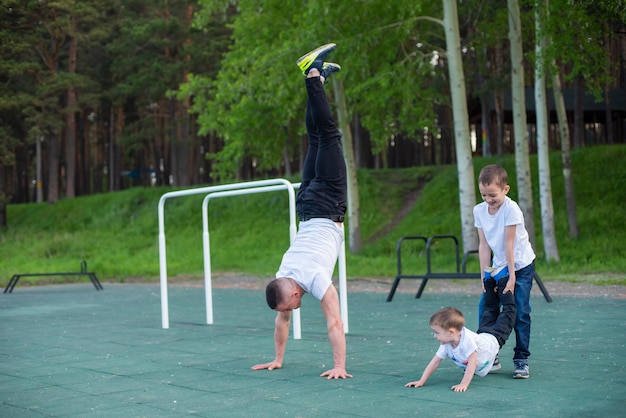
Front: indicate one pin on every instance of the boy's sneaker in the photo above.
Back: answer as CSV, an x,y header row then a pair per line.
x,y
496,365
496,273
328,68
521,370
315,58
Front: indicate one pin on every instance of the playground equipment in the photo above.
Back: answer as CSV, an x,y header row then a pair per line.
x,y
236,189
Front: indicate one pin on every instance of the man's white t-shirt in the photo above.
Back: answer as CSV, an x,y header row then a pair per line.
x,y
311,259
486,346
493,227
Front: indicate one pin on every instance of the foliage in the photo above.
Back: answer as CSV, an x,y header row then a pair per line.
x,y
142,63
578,32
116,233
393,92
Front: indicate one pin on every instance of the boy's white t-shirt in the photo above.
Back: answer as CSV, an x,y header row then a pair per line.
x,y
311,259
493,227
486,346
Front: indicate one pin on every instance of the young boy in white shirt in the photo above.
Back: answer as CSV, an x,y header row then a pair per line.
x,y
475,352
502,233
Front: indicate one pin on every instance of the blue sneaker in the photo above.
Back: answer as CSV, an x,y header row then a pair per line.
x,y
497,273
521,369
496,364
315,58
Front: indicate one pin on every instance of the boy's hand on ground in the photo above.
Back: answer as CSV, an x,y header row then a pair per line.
x,y
459,388
336,373
416,384
269,366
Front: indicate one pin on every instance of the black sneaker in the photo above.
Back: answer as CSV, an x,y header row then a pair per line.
x,y
328,68
315,58
521,370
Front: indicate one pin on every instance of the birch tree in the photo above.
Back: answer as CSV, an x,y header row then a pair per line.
x,y
465,169
566,155
543,157
522,164
354,222
586,58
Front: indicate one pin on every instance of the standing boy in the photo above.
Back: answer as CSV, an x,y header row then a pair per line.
x,y
502,233
308,264
473,351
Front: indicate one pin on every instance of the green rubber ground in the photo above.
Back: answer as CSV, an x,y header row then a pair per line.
x,y
72,351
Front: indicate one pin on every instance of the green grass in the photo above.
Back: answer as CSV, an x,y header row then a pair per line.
x,y
116,233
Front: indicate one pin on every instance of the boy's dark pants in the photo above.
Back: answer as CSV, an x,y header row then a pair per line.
x,y
322,192
493,321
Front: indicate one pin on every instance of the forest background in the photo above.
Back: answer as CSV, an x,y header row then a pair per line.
x,y
116,232
102,96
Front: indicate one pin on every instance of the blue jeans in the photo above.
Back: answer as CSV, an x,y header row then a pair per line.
x,y
523,285
323,189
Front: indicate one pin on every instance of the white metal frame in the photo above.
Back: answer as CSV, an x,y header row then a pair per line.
x,y
236,189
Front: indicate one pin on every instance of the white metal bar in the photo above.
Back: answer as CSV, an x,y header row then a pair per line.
x,y
207,247
162,247
234,189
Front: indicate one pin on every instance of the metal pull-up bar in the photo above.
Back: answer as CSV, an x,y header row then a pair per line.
x,y
237,189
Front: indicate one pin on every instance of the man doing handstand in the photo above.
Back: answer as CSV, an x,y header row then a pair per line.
x,y
308,264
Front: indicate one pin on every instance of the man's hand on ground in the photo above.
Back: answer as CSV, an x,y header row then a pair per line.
x,y
336,373
269,366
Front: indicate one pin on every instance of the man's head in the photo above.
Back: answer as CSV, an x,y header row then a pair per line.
x,y
283,294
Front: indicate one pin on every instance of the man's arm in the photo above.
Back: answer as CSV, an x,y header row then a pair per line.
x,y
336,336
281,334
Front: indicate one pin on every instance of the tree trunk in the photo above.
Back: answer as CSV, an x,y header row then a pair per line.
x,y
485,116
579,123
38,170
522,163
115,131
184,163
485,131
609,120
70,124
498,101
358,141
566,156
543,149
53,169
3,205
173,143
354,221
465,168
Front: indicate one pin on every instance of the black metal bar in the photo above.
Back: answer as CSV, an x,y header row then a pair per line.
x,y
461,268
399,276
394,286
428,262
464,262
95,281
11,284
421,288
543,288
83,272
